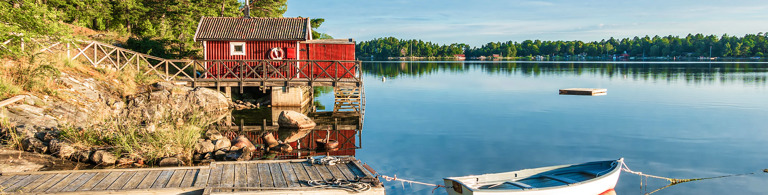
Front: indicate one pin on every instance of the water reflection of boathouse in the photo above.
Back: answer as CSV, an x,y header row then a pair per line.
x,y
344,124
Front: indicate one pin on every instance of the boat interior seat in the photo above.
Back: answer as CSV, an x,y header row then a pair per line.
x,y
521,185
595,172
561,179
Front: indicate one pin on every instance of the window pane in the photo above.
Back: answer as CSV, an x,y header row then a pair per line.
x,y
238,48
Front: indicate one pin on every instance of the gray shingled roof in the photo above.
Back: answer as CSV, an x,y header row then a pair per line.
x,y
229,28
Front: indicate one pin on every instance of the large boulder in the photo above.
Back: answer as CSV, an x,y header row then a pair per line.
x,y
242,142
168,99
31,144
47,136
102,157
222,143
62,149
204,146
30,116
293,119
170,161
213,134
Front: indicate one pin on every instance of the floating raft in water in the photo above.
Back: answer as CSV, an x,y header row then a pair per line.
x,y
583,91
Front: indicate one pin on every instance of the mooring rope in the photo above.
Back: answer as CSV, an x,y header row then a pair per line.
x,y
625,168
388,178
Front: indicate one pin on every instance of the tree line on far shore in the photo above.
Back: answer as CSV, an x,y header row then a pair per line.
x,y
750,45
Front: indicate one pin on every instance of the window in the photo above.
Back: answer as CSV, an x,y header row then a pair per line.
x,y
237,48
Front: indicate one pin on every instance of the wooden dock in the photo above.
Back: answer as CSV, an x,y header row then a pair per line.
x,y
242,177
583,91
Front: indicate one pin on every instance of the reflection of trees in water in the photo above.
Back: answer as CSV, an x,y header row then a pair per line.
x,y
317,92
689,72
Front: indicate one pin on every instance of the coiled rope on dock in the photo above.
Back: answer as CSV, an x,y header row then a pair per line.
x,y
352,186
388,178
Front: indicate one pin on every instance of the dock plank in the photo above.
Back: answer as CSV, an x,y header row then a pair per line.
x,y
21,183
122,180
135,180
88,185
227,176
265,176
301,173
149,179
176,178
345,171
290,175
361,168
334,171
214,179
107,181
162,179
357,172
64,182
53,181
312,172
79,182
4,178
201,179
189,178
241,175
15,179
324,171
253,175
277,175
34,184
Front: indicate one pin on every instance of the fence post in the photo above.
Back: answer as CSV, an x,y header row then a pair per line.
x,y
22,43
69,55
166,71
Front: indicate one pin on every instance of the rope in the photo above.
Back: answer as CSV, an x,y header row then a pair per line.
x,y
330,160
388,178
625,168
352,186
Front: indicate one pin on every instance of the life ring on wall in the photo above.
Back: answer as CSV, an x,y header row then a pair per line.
x,y
276,53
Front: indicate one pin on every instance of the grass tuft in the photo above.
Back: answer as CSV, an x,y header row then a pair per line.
x,y
127,138
10,136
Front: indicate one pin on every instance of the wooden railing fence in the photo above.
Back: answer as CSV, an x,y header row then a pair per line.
x,y
106,55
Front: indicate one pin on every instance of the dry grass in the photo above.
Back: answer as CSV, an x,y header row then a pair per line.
x,y
37,75
126,138
10,136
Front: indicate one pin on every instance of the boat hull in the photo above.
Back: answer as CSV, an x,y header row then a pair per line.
x,y
595,186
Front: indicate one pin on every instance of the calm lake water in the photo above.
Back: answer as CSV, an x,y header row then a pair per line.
x,y
430,120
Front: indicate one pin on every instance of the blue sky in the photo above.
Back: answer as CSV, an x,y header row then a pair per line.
x,y
478,22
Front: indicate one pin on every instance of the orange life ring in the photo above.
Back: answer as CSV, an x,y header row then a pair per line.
x,y
276,53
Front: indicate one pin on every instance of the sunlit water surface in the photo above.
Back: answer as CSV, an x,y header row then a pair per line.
x,y
430,120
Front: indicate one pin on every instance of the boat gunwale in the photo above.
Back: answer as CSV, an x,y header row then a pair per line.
x,y
614,170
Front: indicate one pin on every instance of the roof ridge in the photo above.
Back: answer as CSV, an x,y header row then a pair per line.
x,y
294,18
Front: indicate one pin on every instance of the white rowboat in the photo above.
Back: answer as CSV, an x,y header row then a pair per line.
x,y
590,178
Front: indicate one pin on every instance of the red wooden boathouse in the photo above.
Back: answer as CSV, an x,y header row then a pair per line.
x,y
284,44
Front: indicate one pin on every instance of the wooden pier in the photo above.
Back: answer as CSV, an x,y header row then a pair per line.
x,y
241,177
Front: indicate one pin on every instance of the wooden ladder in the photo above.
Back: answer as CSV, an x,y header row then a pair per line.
x,y
347,99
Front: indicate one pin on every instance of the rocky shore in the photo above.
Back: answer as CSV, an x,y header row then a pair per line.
x,y
64,131
53,126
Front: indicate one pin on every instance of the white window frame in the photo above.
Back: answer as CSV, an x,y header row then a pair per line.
x,y
232,51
